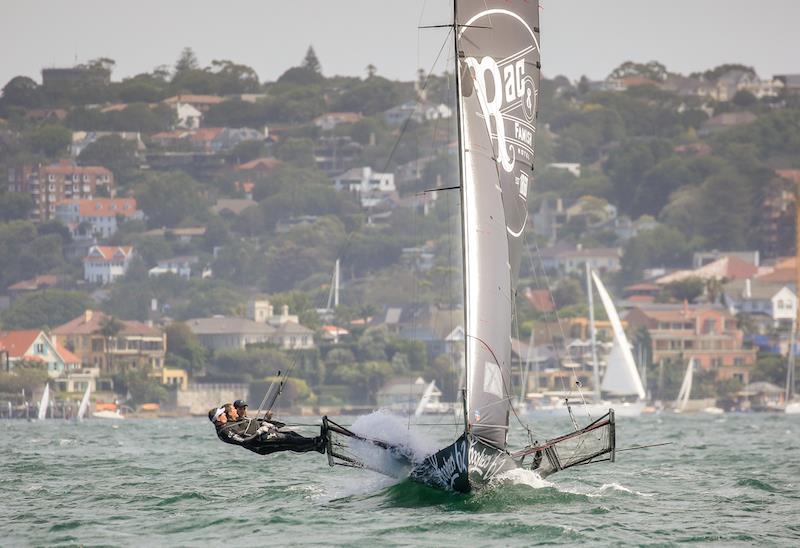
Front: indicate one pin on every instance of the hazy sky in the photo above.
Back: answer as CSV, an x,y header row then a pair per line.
x,y
578,36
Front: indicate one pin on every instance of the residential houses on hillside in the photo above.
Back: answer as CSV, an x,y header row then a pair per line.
x,y
571,260
64,180
135,347
99,217
706,334
371,187
35,347
104,264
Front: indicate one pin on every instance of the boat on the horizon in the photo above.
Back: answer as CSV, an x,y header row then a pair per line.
x,y
684,403
621,387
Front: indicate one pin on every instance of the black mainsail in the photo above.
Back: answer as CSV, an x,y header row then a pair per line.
x,y
497,83
498,51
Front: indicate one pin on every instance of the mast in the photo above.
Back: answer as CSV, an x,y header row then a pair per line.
x,y
791,362
790,367
592,332
462,193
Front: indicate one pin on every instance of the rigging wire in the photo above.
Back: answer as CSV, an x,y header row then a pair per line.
x,y
548,286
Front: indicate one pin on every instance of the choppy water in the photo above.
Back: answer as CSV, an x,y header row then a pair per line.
x,y
732,480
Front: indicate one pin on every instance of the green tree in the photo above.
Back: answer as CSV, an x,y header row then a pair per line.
x,y
15,206
186,62
21,91
364,379
27,378
685,290
296,152
51,140
248,365
661,246
170,198
48,308
769,368
182,343
234,78
114,153
142,387
109,328
24,253
728,212
311,62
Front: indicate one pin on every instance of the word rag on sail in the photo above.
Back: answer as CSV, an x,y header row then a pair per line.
x,y
497,83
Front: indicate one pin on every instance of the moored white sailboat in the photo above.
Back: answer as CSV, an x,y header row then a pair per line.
x,y
621,387
44,403
792,405
85,402
682,401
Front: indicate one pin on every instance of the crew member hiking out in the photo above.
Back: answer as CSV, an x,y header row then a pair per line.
x,y
260,435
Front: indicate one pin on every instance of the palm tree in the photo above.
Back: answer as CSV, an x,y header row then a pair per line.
x,y
109,329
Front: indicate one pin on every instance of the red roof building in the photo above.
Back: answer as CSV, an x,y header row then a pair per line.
x,y
137,346
34,346
51,184
706,334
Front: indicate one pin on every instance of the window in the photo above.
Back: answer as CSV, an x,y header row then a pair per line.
x,y
39,348
716,362
738,361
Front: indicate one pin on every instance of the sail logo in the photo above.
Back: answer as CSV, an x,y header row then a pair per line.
x,y
507,94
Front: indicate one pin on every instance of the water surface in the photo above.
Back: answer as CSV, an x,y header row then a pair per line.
x,y
728,480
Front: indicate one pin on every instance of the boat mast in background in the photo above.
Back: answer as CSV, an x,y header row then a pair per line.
x,y
592,332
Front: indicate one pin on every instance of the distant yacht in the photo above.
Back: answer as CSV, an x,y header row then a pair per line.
x,y
621,382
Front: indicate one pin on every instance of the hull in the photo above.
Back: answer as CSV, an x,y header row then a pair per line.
x,y
621,409
114,415
464,466
792,408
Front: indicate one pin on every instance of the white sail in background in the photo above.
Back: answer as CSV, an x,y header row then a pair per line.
x,y
44,402
685,391
425,399
622,377
85,402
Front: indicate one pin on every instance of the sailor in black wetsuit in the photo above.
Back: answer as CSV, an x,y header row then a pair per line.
x,y
261,436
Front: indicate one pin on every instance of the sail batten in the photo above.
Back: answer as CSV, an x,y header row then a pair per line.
x,y
498,82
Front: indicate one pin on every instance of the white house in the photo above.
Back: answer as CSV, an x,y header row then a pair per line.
x,y
220,332
180,266
101,216
35,346
188,116
777,301
571,261
372,187
104,264
292,335
418,112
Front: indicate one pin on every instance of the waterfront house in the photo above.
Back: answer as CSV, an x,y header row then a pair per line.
x,y
33,346
136,346
221,333
707,334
